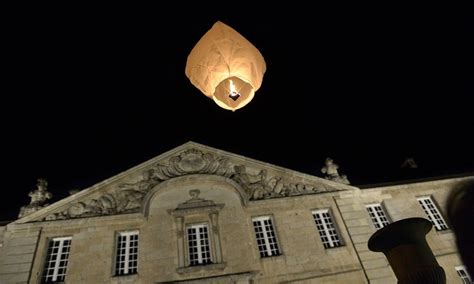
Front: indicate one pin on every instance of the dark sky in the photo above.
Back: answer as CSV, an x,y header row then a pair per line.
x,y
91,91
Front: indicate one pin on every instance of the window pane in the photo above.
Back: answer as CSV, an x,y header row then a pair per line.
x,y
266,238
433,213
126,259
56,260
377,215
199,251
326,229
462,272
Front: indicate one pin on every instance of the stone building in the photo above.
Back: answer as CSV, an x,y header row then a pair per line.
x,y
196,214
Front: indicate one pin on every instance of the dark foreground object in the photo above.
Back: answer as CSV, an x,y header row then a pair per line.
x,y
461,212
404,244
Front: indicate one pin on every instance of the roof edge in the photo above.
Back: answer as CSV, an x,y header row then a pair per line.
x,y
418,180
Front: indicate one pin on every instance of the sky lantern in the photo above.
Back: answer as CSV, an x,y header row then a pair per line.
x,y
226,67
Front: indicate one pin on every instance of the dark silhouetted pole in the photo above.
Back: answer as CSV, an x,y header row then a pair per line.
x,y
461,213
404,244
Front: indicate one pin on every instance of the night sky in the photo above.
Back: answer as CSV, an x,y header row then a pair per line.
x,y
89,92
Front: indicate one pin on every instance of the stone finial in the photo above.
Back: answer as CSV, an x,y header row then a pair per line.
x,y
74,191
38,198
330,170
195,201
409,163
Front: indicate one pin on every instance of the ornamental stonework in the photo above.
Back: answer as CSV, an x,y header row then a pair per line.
x,y
128,197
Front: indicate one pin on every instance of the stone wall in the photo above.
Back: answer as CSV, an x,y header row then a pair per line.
x,y
2,233
19,248
400,202
303,260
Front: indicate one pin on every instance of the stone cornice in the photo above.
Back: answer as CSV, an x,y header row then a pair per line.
x,y
129,197
188,211
197,268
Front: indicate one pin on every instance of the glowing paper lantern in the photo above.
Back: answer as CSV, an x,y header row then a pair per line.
x,y
226,67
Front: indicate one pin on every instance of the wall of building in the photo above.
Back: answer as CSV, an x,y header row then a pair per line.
x,y
19,246
2,233
400,202
304,258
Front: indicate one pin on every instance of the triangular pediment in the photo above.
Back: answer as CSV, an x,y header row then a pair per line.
x,y
125,192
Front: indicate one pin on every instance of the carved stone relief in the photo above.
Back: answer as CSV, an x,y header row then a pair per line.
x,y
262,187
128,197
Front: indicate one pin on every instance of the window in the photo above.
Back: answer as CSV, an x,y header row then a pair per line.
x,y
197,232
56,260
199,251
266,238
326,228
462,272
433,213
377,214
126,258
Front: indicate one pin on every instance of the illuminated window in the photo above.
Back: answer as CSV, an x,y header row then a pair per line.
x,y
266,237
126,258
197,234
327,230
462,272
199,251
56,260
377,214
433,213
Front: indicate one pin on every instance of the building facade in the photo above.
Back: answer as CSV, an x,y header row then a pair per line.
x,y
196,214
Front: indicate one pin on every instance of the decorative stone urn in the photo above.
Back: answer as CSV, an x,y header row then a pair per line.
x,y
404,244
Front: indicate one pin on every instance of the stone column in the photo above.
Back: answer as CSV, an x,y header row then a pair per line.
x,y
215,231
180,235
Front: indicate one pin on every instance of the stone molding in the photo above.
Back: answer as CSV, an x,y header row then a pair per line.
x,y
129,197
208,213
208,267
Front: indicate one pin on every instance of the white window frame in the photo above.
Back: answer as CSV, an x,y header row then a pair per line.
x,y
463,274
128,267
201,248
379,214
327,229
267,238
62,250
433,213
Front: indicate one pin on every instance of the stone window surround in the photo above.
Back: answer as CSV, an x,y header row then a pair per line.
x,y
124,233
275,230
463,274
49,242
207,213
384,211
436,224
334,223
